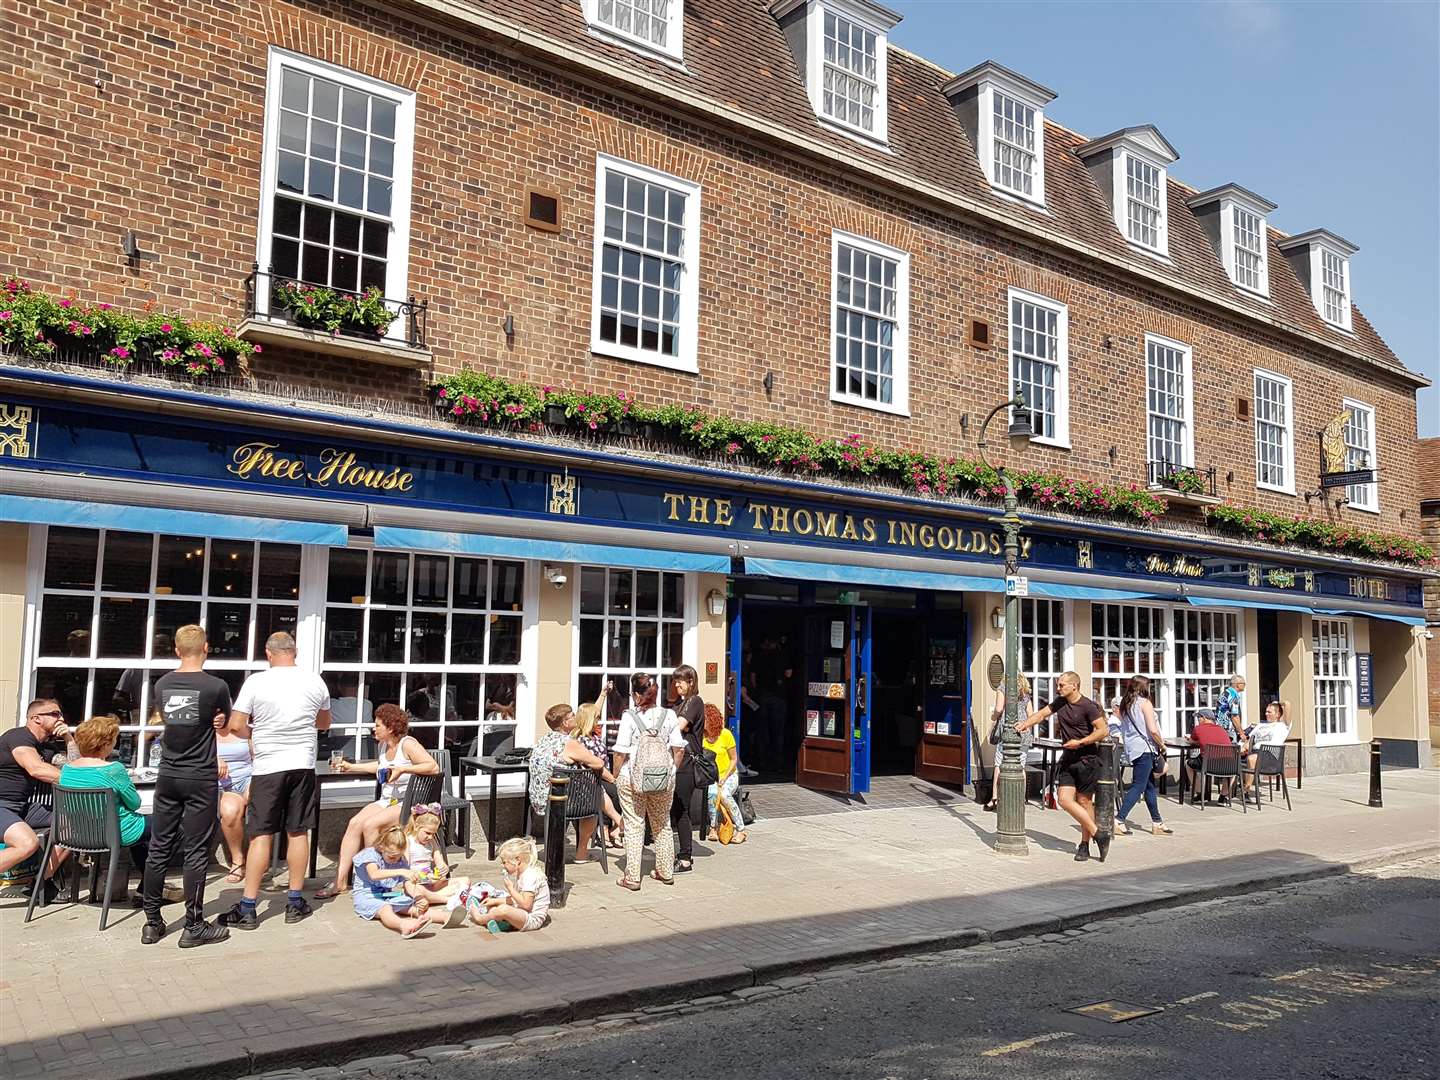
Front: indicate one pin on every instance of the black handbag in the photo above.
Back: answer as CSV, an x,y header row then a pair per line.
x,y
747,809
707,772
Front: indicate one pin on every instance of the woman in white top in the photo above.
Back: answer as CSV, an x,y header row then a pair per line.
x,y
997,718
647,751
1140,730
401,757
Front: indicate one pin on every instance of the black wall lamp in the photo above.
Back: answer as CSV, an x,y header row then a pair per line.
x,y
768,382
509,325
130,248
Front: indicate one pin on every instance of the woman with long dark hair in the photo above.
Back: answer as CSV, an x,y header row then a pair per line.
x,y
1141,732
646,753
691,710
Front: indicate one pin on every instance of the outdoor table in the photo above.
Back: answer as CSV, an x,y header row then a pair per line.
x,y
494,768
1050,750
1182,745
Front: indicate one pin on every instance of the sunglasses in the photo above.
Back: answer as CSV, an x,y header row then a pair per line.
x,y
46,715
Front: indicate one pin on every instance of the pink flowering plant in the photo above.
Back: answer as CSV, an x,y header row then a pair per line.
x,y
34,323
339,312
1289,531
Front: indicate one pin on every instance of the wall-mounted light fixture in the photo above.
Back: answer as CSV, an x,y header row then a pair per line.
x,y
964,421
768,382
130,248
509,325
997,619
715,602
1107,343
1114,453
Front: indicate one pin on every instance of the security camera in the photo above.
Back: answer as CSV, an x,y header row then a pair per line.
x,y
555,576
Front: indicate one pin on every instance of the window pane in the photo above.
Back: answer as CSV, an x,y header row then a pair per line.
x,y
386,641
427,637
228,628
592,591
509,591
390,578
505,640
432,580
467,639
127,562
232,564
343,634
271,619
65,625
70,558
279,572
180,566
122,627
347,576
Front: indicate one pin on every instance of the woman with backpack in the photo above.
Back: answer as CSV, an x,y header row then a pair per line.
x,y
648,749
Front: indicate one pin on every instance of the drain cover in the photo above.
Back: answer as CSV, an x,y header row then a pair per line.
x,y
1114,1012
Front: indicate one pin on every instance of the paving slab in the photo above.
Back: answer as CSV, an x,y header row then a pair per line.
x,y
822,882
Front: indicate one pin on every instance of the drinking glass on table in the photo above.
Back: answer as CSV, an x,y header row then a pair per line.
x,y
337,758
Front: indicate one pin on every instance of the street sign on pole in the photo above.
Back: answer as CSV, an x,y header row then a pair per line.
x,y
1017,585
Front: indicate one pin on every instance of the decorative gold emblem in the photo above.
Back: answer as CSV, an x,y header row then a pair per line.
x,y
1308,576
1334,457
563,494
1084,555
1252,574
16,442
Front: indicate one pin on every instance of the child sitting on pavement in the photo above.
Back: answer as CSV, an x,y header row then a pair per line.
x,y
432,881
527,907
381,873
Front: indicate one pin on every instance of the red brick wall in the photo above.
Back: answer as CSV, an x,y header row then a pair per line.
x,y
154,122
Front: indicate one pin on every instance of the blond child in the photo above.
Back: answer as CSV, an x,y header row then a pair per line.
x,y
380,876
527,907
431,878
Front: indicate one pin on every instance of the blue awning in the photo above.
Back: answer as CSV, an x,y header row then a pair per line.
x,y
1057,591
844,574
154,519
1258,605
511,547
1408,620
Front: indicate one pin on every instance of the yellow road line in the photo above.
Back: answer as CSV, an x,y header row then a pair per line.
x,y
1026,1044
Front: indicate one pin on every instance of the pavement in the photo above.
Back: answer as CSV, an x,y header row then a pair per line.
x,y
812,889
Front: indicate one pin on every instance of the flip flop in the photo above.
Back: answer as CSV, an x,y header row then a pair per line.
x,y
633,886
329,892
414,931
456,917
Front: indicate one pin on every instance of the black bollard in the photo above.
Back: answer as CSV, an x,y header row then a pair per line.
x,y
1375,773
555,837
1105,789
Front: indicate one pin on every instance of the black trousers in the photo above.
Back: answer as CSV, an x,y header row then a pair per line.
x,y
680,814
185,814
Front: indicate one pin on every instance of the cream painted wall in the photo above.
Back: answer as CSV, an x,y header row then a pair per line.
x,y
14,540
985,641
1251,705
712,644
1292,634
555,666
1399,676
1082,657
1364,718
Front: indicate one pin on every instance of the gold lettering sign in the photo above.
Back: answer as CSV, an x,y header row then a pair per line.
x,y
1179,565
15,430
338,468
1370,588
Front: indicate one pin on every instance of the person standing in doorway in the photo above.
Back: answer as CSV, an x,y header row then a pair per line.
x,y
280,710
683,814
1081,724
187,798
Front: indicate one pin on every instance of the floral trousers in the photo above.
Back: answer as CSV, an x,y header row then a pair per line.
x,y
639,808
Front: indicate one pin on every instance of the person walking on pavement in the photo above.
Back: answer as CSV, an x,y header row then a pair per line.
x,y
1081,724
280,710
187,798
1141,733
683,815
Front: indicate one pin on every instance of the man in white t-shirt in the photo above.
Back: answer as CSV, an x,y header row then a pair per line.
x,y
279,710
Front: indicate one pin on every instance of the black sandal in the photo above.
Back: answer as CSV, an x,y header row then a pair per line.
x,y
684,866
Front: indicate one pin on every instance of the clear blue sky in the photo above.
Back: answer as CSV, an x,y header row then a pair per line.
x,y
1331,110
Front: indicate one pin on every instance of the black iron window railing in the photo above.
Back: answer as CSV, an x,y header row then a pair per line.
x,y
1185,479
364,316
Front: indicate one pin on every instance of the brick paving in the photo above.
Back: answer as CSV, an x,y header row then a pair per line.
x,y
807,889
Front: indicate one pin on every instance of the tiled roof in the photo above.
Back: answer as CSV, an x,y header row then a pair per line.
x,y
736,54
1427,468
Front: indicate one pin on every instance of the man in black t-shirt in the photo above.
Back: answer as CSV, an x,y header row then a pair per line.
x,y
1081,725
25,766
187,792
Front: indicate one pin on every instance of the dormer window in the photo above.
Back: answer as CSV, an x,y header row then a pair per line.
x,y
1234,219
654,25
1321,261
1129,166
1004,114
841,47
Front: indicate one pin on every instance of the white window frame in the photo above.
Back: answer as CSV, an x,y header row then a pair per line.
x,y
1317,270
688,359
1339,701
989,138
864,17
1288,487
899,404
689,634
1187,440
1364,497
1233,248
674,47
1033,642
1061,438
1123,200
397,266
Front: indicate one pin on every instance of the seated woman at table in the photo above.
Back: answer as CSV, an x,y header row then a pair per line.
x,y
997,720
587,730
1272,731
561,747
401,757
236,764
94,771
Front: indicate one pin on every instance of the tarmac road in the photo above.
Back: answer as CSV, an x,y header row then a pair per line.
x,y
1333,978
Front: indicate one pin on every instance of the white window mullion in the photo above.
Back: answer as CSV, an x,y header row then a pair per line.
x,y
1039,363
870,286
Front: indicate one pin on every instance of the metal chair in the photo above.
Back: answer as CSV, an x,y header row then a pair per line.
x,y
1270,762
1220,763
421,789
584,802
86,822
450,803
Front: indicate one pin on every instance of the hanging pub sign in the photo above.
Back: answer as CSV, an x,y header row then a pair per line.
x,y
1337,467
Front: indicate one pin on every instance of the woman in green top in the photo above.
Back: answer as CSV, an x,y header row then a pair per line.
x,y
93,770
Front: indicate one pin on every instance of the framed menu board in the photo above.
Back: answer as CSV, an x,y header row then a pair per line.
x,y
943,667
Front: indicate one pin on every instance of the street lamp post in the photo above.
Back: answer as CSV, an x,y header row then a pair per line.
x,y
1010,824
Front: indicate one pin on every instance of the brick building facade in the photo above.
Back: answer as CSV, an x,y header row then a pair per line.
x,y
1427,467
160,129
